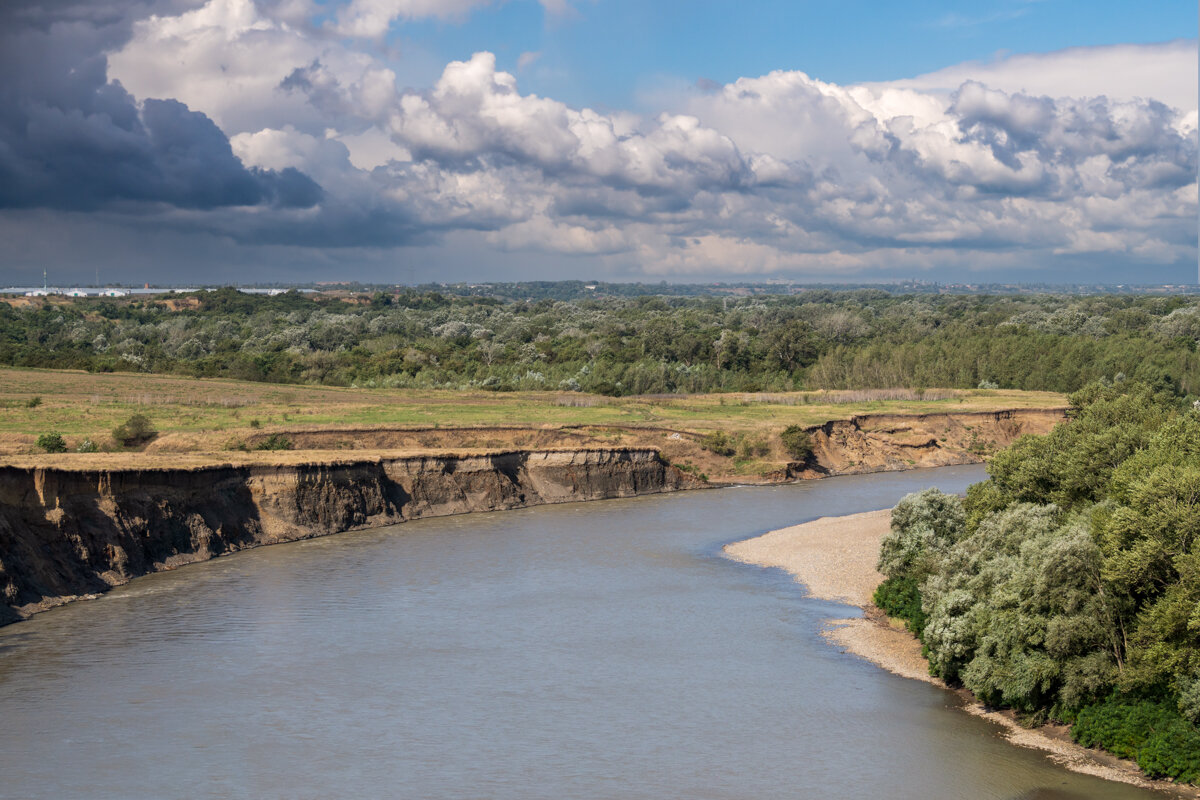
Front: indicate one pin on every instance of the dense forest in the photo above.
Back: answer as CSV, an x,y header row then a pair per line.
x,y
1067,586
618,345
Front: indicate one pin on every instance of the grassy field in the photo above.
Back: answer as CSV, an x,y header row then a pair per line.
x,y
220,416
210,413
79,404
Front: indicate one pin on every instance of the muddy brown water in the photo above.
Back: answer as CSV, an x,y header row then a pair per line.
x,y
599,650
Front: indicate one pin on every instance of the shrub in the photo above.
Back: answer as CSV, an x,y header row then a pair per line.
x,y
52,443
1164,743
718,442
901,598
749,448
276,441
136,430
1189,701
33,402
797,442
1173,752
254,423
1119,726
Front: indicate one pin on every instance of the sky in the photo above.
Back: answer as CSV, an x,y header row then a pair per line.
x,y
219,141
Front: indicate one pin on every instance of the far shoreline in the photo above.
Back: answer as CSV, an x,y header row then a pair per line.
x,y
834,559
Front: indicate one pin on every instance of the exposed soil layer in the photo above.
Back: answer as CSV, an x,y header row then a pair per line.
x,y
880,442
860,444
74,525
67,533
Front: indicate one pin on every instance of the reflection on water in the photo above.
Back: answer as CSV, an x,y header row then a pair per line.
x,y
584,651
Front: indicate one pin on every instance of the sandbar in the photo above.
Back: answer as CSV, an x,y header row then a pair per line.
x,y
834,558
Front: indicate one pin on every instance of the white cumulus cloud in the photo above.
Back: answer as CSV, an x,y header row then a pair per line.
x,y
1019,161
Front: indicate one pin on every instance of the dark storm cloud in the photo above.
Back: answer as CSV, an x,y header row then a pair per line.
x,y
71,139
109,23
336,227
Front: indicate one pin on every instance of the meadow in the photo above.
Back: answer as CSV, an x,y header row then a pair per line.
x,y
220,416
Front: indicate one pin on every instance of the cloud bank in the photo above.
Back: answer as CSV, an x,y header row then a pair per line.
x,y
1163,72
71,139
265,125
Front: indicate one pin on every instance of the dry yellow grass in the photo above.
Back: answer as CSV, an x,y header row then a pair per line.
x,y
206,419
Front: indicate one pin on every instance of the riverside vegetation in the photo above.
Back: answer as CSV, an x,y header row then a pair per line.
x,y
617,345
1067,585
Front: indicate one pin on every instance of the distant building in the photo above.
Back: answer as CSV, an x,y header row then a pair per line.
x,y
38,293
77,293
114,293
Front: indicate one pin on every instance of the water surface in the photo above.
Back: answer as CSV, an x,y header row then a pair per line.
x,y
598,650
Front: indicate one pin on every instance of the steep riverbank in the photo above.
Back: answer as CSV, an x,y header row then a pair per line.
x,y
856,444
884,442
835,557
73,525
72,532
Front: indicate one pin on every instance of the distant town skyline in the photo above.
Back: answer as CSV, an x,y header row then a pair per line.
x,y
409,141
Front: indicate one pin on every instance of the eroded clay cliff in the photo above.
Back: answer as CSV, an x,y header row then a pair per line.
x,y
885,442
66,533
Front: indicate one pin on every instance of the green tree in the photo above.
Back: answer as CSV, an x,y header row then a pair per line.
x,y
52,443
797,442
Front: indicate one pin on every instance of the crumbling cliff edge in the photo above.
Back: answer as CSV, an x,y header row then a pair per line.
x,y
72,527
69,533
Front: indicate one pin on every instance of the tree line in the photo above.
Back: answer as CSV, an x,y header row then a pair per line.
x,y
617,345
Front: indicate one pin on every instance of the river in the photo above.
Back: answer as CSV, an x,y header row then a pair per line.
x,y
590,650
